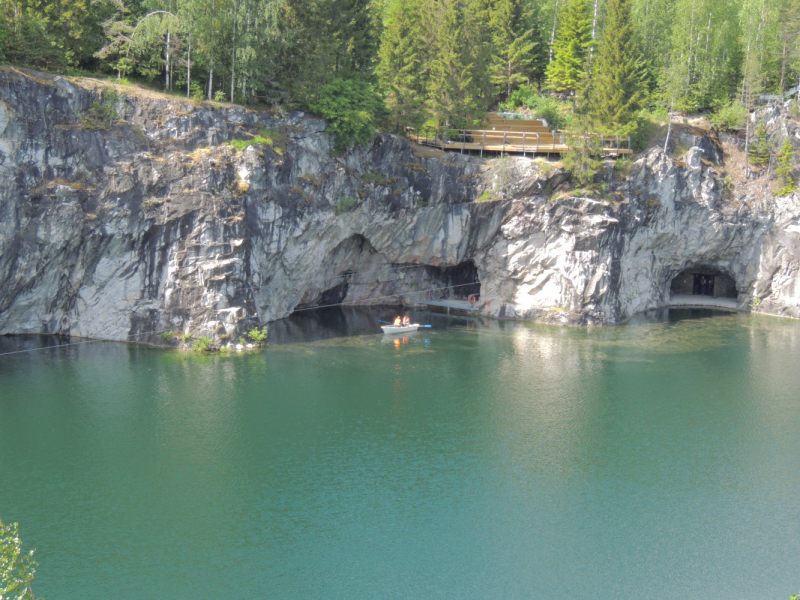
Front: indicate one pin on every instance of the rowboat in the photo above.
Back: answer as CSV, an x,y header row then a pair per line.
x,y
392,329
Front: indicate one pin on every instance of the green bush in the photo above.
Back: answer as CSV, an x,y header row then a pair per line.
x,y
579,161
730,117
201,344
258,335
544,107
240,145
102,115
344,205
353,109
784,170
760,147
17,568
196,92
166,336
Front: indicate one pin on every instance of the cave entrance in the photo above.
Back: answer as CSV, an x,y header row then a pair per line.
x,y
704,281
455,283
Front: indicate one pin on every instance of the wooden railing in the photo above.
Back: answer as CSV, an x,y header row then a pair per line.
x,y
503,140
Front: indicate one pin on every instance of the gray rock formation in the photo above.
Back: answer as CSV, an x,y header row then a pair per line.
x,y
124,215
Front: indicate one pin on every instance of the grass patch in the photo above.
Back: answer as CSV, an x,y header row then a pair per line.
x,y
152,203
485,196
241,145
414,167
679,150
344,205
311,179
623,166
101,116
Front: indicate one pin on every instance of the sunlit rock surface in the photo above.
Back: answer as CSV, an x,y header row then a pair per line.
x,y
150,221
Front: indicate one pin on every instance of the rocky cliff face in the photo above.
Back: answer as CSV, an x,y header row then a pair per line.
x,y
125,215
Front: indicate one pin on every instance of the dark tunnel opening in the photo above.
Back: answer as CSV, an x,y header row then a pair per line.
x,y
703,281
455,283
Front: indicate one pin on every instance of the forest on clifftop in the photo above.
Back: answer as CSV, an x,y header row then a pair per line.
x,y
400,63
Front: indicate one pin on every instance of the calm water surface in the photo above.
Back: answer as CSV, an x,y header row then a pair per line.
x,y
658,459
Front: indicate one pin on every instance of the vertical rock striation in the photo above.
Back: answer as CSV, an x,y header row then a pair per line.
x,y
125,215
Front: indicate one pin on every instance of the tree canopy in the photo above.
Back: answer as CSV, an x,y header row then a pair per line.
x,y
443,61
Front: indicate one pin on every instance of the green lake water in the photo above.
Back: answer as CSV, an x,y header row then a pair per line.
x,y
656,459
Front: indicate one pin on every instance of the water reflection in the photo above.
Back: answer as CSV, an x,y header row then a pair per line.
x,y
475,459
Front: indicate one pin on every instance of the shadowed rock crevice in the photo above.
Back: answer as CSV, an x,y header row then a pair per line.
x,y
160,224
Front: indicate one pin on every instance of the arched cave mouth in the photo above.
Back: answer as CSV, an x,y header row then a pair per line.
x,y
703,281
355,273
454,283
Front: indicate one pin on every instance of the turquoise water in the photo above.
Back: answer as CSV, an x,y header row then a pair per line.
x,y
657,459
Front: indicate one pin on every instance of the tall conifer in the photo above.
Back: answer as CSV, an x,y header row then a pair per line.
x,y
402,61
453,92
513,44
616,90
571,47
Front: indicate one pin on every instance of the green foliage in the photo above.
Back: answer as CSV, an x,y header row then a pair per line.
x,y
571,47
353,109
240,145
760,150
514,44
457,72
201,344
545,107
17,568
166,335
420,202
755,301
485,196
730,117
403,48
102,115
623,166
617,88
196,92
185,337
785,167
580,161
344,205
258,336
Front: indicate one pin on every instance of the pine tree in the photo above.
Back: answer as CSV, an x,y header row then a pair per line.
x,y
616,91
513,44
760,147
785,167
541,48
453,94
353,29
571,47
402,57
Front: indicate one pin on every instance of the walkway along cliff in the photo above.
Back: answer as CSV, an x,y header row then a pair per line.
x,y
125,213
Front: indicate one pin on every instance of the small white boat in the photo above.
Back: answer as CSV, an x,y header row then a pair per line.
x,y
392,329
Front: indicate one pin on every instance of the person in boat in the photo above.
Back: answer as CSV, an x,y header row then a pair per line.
x,y
397,322
406,321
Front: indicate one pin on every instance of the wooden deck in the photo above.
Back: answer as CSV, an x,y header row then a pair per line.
x,y
512,136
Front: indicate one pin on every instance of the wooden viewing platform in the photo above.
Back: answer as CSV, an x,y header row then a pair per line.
x,y
517,136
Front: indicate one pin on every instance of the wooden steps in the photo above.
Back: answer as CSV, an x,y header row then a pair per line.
x,y
499,134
